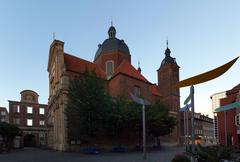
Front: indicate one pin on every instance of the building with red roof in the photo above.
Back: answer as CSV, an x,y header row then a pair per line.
x,y
112,62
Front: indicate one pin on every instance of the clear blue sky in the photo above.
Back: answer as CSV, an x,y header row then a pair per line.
x,y
202,35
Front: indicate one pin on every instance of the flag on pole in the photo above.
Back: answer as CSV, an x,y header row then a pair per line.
x,y
187,99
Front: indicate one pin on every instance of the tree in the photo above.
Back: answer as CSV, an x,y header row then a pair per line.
x,y
116,119
123,116
91,112
8,132
158,121
87,106
214,153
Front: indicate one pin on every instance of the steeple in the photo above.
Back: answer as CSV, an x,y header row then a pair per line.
x,y
112,31
168,59
139,69
167,51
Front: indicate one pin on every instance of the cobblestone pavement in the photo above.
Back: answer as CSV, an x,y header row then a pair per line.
x,y
38,155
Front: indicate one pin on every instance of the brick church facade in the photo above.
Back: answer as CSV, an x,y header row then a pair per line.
x,y
112,62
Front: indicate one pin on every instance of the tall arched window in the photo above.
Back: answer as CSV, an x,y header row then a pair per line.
x,y
109,68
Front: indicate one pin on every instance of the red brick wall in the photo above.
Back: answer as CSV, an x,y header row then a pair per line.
x,y
116,56
23,116
230,120
122,84
168,76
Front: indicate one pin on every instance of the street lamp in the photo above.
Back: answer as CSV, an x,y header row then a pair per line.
x,y
143,103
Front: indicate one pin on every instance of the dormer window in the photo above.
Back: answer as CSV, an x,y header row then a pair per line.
x,y
109,68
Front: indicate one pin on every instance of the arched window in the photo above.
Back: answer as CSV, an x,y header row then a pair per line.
x,y
109,68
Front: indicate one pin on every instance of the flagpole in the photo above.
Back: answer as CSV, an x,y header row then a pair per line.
x,y
193,130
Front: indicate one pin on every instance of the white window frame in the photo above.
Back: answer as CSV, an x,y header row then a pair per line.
x,y
41,112
28,109
29,122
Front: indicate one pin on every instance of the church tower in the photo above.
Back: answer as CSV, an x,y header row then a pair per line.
x,y
168,76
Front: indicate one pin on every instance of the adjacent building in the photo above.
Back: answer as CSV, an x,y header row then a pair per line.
x,y
31,118
112,62
228,121
4,115
204,129
215,104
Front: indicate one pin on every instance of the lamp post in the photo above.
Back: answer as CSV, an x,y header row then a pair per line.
x,y
144,130
143,103
193,128
187,131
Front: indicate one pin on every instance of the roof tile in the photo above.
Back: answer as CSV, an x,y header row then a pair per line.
x,y
79,65
155,90
126,68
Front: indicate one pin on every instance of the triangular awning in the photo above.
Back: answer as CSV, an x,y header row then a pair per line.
x,y
227,107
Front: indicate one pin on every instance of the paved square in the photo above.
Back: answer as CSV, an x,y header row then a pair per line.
x,y
38,155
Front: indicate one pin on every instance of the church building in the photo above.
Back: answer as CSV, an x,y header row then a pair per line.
x,y
112,62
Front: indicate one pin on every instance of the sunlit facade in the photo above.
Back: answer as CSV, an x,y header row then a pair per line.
x,y
215,104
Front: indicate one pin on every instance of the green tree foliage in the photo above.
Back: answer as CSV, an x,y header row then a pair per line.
x,y
8,132
116,119
91,112
123,116
87,106
158,121
214,153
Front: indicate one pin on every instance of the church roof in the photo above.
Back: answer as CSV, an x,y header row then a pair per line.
x,y
168,59
79,65
112,44
155,91
127,69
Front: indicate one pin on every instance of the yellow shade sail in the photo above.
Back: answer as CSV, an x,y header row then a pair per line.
x,y
204,77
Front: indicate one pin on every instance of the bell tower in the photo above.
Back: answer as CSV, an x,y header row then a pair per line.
x,y
168,76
